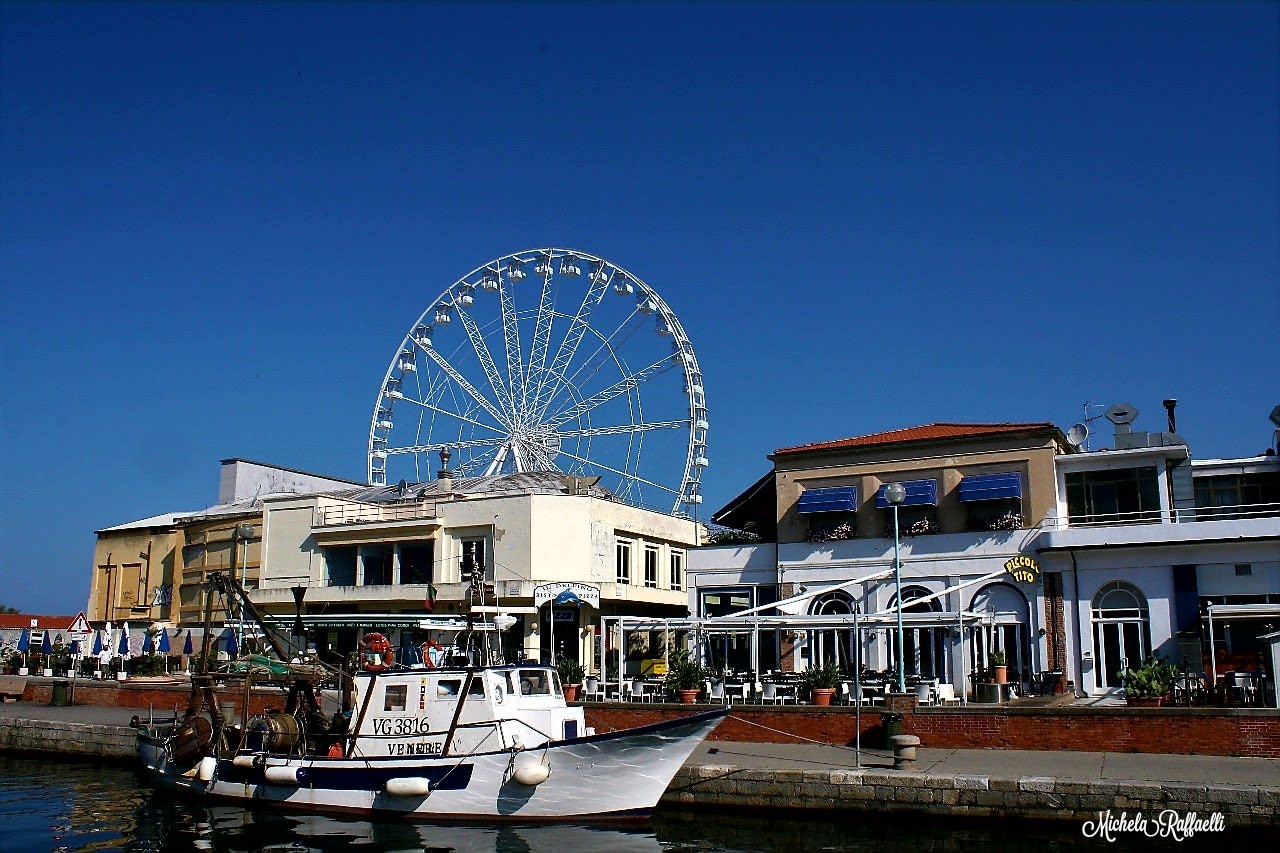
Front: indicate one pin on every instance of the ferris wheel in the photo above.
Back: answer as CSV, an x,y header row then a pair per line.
x,y
547,360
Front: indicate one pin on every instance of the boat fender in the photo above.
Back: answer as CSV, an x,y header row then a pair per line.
x,y
378,654
246,762
206,767
409,786
284,775
529,769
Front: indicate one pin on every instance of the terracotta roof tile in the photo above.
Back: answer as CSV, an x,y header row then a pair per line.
x,y
23,620
928,432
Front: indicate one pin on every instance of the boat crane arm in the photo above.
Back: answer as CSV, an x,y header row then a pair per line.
x,y
231,587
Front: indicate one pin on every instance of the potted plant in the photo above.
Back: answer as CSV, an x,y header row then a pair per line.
x,y
571,674
1150,684
999,667
684,676
822,681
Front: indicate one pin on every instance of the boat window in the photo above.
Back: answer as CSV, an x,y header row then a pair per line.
x,y
476,690
395,697
534,682
448,686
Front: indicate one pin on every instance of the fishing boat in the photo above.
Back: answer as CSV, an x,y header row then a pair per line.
x,y
459,736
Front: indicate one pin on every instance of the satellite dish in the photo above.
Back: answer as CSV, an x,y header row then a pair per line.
x,y
1121,413
244,531
1077,434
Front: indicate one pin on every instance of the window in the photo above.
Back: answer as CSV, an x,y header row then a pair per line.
x,y
1244,570
677,569
624,561
378,564
912,521
832,526
448,687
1237,495
396,697
415,563
341,565
1123,495
651,565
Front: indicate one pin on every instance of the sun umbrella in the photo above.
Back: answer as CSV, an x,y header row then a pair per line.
x,y
46,647
163,648
97,643
24,642
75,648
231,642
186,644
125,650
146,644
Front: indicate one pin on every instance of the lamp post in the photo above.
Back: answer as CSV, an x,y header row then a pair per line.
x,y
895,494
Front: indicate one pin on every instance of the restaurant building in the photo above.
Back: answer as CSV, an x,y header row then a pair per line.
x,y
1112,555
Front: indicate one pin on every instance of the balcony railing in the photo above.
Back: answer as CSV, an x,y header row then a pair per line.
x,y
331,516
1181,515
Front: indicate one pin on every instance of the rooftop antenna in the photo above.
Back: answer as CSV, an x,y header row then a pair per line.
x,y
1088,419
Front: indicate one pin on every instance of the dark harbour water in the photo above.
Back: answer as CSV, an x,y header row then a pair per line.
x,y
69,806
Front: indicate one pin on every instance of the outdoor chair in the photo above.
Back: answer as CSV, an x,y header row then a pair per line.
x,y
592,690
642,691
946,694
769,696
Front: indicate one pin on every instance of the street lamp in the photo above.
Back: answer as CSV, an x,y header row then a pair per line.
x,y
895,494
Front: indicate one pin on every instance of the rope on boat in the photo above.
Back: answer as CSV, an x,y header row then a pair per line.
x,y
464,758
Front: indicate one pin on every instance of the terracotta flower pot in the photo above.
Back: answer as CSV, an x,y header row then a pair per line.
x,y
688,697
1001,674
1143,701
822,695
571,692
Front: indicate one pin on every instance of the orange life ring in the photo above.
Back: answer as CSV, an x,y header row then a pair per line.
x,y
427,648
378,653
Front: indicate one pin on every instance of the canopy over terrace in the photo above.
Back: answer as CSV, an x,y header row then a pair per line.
x,y
754,623
1230,612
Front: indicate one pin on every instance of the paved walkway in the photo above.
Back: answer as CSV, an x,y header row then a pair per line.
x,y
999,763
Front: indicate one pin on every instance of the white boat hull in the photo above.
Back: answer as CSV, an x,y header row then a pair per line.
x,y
601,777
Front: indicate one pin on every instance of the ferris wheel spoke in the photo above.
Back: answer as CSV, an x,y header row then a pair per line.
x,y
511,336
448,445
603,354
487,363
572,339
541,336
498,460
622,429
461,382
588,463
617,389
452,414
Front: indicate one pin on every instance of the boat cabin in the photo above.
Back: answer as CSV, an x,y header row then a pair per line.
x,y
413,712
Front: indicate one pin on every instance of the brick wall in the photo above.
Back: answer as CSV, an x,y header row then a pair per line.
x,y
163,697
1194,731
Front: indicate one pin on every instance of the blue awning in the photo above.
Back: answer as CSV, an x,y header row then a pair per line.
x,y
991,487
919,493
838,499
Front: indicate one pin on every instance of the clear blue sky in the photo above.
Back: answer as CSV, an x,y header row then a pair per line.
x,y
219,220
